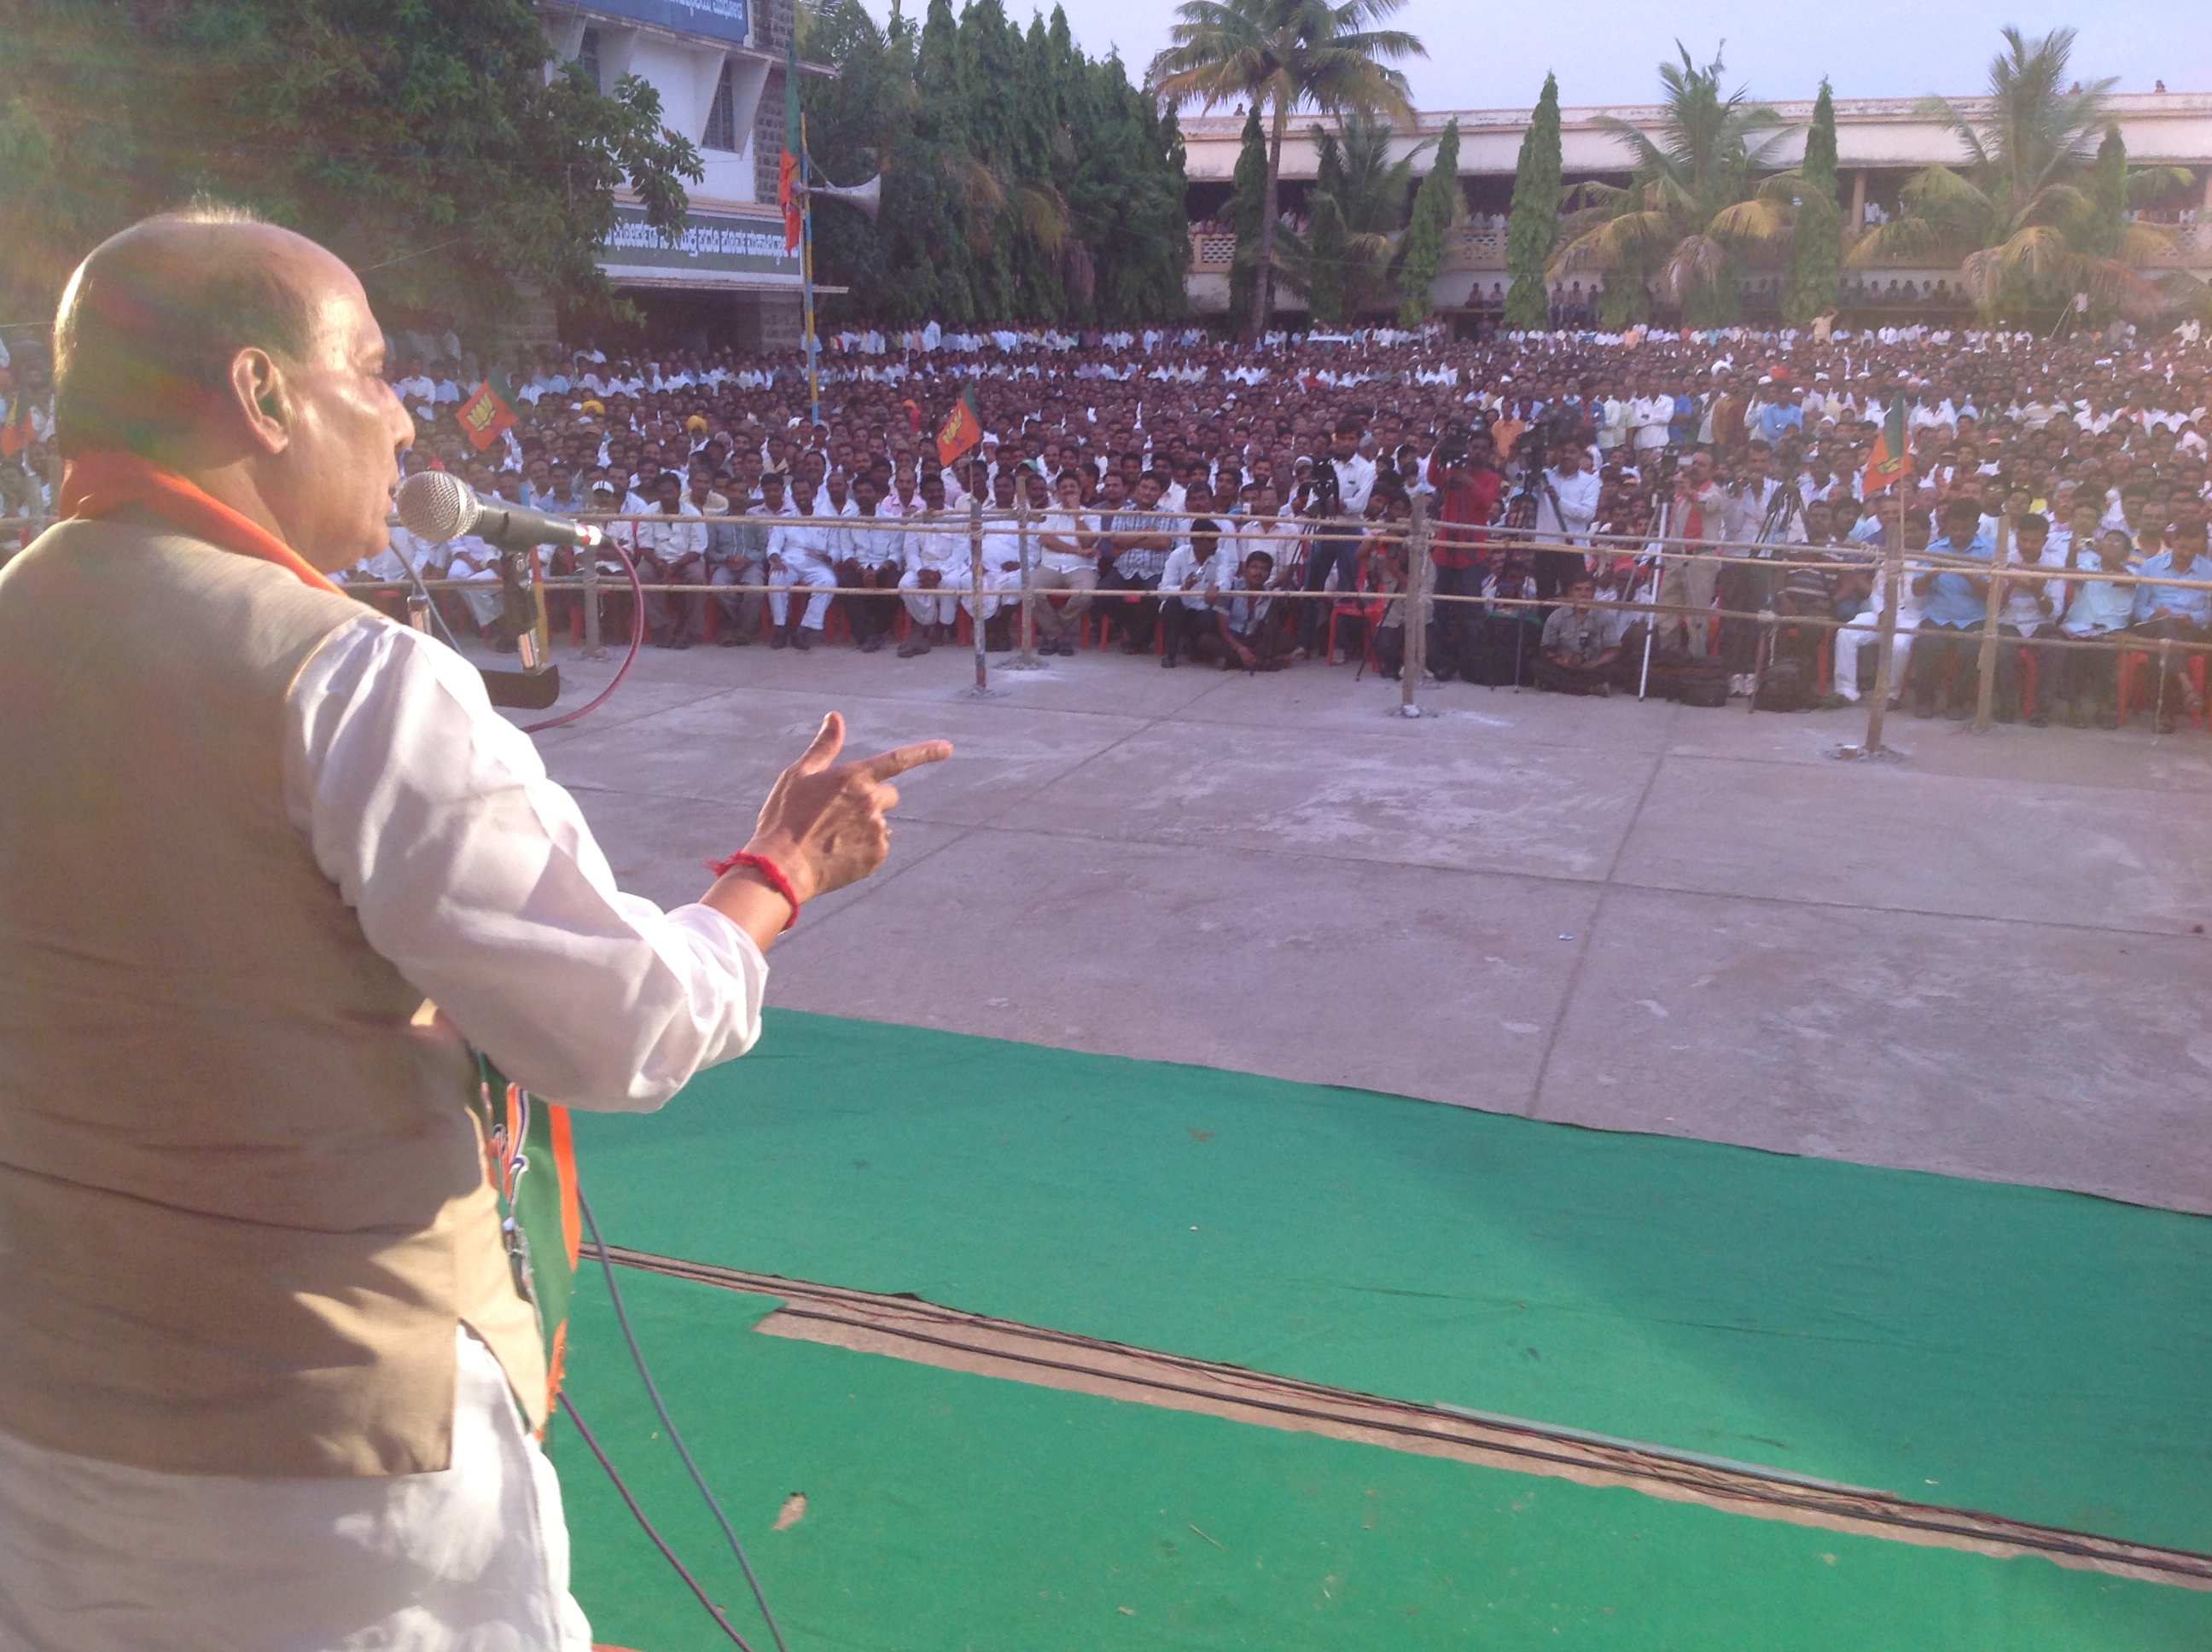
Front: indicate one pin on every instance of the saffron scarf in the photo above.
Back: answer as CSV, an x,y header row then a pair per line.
x,y
101,482
529,1155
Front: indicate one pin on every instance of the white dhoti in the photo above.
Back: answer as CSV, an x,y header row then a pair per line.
x,y
1865,631
929,607
99,1557
811,576
483,604
995,579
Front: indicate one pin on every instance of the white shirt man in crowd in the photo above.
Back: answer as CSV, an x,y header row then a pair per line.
x,y
1193,570
1566,504
799,555
672,548
1069,562
934,564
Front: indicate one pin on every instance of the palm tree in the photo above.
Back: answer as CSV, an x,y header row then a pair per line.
x,y
1695,203
1284,53
2017,219
1355,214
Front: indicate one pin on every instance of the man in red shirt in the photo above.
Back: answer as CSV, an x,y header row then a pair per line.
x,y
1466,500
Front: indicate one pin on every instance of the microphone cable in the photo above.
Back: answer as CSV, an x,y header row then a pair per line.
x,y
636,639
659,1541
676,1438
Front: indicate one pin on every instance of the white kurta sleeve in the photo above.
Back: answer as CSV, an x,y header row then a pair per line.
x,y
475,875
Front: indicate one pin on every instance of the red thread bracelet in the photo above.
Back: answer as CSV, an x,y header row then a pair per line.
x,y
771,874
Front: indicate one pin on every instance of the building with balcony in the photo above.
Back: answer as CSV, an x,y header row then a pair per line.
x,y
1881,142
719,68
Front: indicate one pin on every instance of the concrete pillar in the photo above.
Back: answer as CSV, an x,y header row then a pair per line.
x,y
1857,219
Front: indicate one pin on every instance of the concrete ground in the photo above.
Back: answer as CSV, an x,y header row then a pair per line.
x,y
1988,960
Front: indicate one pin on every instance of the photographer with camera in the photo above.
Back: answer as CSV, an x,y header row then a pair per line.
x,y
1564,492
1760,514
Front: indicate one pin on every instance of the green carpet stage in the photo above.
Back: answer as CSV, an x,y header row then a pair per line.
x,y
2042,1356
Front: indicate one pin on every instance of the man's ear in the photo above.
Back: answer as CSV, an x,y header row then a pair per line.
x,y
256,385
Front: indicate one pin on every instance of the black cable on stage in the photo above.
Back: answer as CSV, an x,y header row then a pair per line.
x,y
637,642
659,1542
675,1436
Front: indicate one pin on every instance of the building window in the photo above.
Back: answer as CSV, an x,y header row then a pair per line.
x,y
588,55
722,116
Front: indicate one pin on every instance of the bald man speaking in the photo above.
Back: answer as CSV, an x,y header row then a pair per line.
x,y
272,872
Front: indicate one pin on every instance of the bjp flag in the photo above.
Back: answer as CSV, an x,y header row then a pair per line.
x,y
487,416
1892,459
963,428
790,184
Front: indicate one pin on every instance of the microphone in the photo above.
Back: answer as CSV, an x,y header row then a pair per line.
x,y
438,506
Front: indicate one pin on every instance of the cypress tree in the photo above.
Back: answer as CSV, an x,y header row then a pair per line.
x,y
940,130
1087,169
1816,249
1249,201
1436,206
1534,224
988,79
2108,196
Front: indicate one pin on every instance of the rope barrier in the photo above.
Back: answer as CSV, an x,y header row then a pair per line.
x,y
1009,596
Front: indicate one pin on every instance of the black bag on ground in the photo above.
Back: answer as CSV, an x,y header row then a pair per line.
x,y
1677,674
1488,660
1782,687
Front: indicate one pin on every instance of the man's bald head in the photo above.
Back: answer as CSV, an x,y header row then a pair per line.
x,y
152,321
244,358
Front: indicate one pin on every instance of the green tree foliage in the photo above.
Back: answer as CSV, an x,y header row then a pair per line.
x,y
2019,219
1534,223
1356,209
1285,54
2105,227
1436,206
1695,206
1020,177
1248,212
422,142
1816,250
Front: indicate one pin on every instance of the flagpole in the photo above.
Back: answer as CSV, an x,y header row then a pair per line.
x,y
806,271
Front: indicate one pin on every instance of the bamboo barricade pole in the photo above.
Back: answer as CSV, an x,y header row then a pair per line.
x,y
976,588
1416,649
1027,659
588,562
1658,588
1985,661
538,643
1885,682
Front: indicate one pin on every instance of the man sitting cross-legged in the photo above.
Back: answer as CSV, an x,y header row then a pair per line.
x,y
1578,648
1247,633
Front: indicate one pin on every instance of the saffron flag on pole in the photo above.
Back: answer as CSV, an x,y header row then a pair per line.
x,y
17,430
789,184
1892,459
487,414
963,428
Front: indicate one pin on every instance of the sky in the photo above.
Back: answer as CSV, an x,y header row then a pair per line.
x,y
1494,55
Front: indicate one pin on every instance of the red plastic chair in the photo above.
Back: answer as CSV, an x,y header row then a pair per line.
x,y
1345,608
2134,660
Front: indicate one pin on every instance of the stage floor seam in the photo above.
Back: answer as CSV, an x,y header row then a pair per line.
x,y
908,1328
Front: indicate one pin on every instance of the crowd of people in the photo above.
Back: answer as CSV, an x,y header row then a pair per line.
x,y
1172,494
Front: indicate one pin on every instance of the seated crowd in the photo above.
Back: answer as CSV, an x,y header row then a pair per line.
x,y
1172,493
